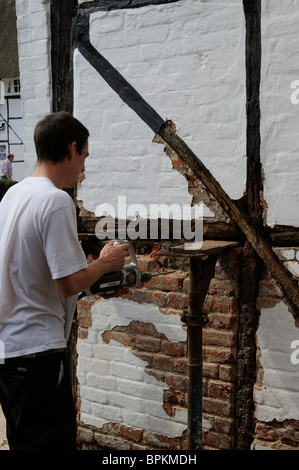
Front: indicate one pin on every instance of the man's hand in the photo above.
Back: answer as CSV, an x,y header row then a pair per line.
x,y
113,256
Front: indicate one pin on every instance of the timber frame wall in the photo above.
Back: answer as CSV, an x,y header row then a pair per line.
x,y
63,17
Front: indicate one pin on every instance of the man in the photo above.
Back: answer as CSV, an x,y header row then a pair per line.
x,y
42,269
6,168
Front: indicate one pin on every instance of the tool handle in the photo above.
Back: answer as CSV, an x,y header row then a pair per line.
x,y
131,250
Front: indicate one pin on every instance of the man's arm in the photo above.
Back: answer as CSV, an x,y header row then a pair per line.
x,y
112,257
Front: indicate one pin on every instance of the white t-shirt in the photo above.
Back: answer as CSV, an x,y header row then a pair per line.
x,y
38,243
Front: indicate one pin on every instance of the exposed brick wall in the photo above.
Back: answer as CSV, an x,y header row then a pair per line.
x,y
167,362
277,436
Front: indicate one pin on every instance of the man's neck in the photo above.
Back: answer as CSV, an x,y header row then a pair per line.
x,y
51,171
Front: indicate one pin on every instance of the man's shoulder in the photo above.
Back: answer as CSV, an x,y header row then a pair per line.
x,y
55,198
44,194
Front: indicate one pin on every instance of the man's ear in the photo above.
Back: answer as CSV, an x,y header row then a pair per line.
x,y
71,150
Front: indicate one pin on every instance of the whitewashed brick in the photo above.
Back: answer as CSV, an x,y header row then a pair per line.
x,y
184,67
105,412
278,398
279,129
95,395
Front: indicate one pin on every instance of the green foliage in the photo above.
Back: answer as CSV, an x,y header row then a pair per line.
x,y
5,185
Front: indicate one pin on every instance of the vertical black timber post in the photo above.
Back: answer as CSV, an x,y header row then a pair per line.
x,y
251,264
62,13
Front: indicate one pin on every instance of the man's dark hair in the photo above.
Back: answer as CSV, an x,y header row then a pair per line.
x,y
53,134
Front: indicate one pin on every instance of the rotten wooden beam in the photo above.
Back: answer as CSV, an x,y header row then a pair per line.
x,y
256,239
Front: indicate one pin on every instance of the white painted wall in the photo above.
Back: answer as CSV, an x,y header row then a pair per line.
x,y
186,59
278,340
277,390
34,45
280,110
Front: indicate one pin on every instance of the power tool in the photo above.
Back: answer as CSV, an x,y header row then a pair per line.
x,y
128,276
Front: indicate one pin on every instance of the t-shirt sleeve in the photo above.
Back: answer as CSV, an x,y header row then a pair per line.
x,y
62,248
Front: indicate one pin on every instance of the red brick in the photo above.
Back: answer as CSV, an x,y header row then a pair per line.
x,y
173,349
210,370
168,282
130,433
146,329
265,432
219,441
222,321
222,287
221,425
85,321
143,295
289,436
180,365
220,389
218,338
177,300
219,355
145,343
122,338
177,382
147,264
144,356
221,303
162,362
84,434
161,442
173,397
227,372
82,333
217,407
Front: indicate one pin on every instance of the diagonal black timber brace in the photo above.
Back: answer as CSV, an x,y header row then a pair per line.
x,y
262,247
